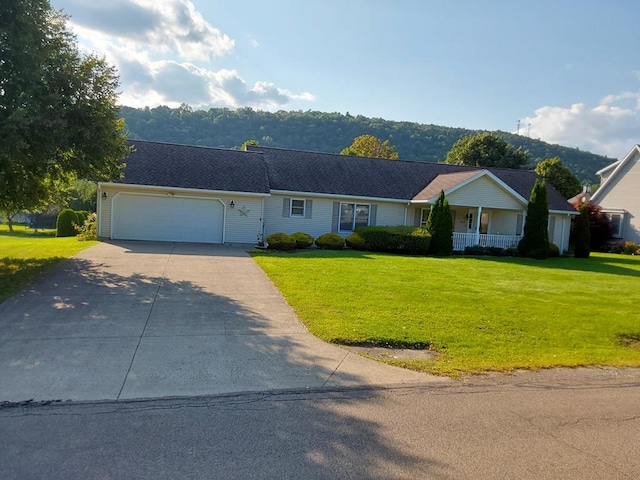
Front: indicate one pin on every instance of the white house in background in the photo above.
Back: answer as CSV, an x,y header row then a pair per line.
x,y
619,195
201,194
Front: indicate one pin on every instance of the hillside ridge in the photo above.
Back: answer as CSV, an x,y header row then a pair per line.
x,y
328,132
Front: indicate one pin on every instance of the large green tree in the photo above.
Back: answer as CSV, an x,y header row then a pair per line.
x,y
372,147
535,239
486,149
58,113
558,175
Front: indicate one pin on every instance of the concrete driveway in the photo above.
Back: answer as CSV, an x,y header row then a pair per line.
x,y
142,319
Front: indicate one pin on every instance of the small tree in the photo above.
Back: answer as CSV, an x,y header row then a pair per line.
x,y
558,175
599,227
485,149
581,235
370,146
535,242
440,226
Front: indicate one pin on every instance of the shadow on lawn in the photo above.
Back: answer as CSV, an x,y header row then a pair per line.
x,y
611,265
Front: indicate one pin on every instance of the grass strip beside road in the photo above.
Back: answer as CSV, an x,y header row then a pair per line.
x,y
479,314
25,256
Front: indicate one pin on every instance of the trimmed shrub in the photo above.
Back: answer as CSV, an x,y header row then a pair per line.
x,y
412,240
479,250
330,241
280,241
554,250
82,217
355,241
65,223
303,240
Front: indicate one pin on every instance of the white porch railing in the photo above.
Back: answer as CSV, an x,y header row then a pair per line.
x,y
463,240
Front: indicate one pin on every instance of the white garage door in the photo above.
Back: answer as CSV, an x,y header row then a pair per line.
x,y
167,218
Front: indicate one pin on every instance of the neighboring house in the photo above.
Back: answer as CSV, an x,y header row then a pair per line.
x,y
201,194
619,195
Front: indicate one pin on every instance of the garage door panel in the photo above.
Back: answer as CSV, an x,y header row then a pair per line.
x,y
167,218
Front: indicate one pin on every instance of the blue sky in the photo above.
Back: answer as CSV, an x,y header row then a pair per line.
x,y
568,70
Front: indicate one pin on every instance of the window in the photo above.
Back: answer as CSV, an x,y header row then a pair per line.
x,y
353,215
484,223
519,223
297,207
424,216
616,223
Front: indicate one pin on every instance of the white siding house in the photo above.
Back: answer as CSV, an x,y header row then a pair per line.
x,y
619,195
201,194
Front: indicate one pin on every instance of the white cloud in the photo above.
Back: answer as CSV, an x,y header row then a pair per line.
x,y
172,83
155,45
611,128
160,26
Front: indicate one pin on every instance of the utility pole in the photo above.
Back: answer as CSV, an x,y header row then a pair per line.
x,y
518,130
529,131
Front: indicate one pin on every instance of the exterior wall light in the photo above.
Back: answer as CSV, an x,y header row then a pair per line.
x,y
104,195
232,204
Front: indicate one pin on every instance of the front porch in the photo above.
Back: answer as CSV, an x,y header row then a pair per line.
x,y
463,240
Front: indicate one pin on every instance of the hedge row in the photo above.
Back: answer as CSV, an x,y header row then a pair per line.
x,y
411,240
70,221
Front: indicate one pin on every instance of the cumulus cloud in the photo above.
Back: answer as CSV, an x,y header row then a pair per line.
x,y
172,83
162,50
165,26
610,128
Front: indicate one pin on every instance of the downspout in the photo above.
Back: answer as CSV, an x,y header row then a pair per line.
x,y
406,209
562,249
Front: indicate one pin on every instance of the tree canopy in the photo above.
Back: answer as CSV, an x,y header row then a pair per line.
x,y
486,149
372,147
558,175
58,116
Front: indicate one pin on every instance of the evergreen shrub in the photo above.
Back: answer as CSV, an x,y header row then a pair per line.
x,y
400,239
280,241
355,241
67,218
330,241
303,240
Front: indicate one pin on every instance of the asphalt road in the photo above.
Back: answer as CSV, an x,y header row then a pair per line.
x,y
575,425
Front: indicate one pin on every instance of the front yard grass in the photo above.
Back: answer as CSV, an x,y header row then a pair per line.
x,y
26,255
480,314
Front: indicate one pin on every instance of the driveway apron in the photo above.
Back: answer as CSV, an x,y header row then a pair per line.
x,y
126,320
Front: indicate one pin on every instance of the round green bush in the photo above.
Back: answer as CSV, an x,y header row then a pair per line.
x,y
303,240
82,217
554,250
330,241
64,223
280,241
356,241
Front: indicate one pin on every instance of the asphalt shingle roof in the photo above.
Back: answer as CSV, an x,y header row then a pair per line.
x,y
204,168
262,169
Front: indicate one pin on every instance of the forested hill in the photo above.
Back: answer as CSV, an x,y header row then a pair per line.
x,y
326,132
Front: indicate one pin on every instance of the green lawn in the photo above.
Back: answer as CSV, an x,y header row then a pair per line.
x,y
25,256
480,314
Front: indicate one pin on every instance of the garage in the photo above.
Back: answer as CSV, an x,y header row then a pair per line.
x,y
169,218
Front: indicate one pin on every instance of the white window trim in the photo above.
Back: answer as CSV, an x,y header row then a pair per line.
x,y
424,216
304,208
609,214
353,221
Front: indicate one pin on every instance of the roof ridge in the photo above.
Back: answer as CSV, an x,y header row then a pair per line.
x,y
204,147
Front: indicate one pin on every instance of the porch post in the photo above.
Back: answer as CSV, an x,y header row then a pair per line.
x,y
479,217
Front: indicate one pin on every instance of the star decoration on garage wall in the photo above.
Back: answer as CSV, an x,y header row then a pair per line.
x,y
244,211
